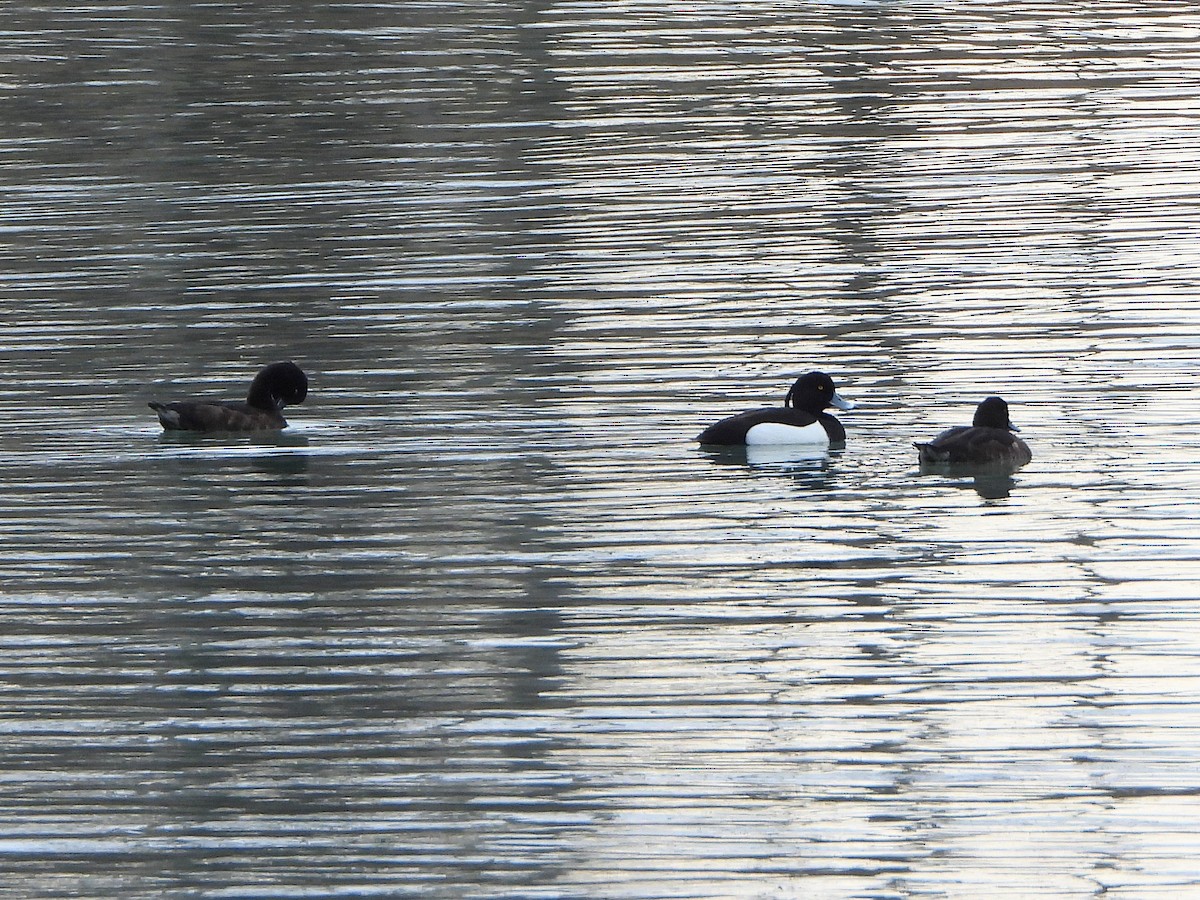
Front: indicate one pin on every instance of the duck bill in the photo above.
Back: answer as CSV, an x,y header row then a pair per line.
x,y
1012,427
840,402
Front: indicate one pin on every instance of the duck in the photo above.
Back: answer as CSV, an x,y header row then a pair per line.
x,y
801,420
988,439
275,386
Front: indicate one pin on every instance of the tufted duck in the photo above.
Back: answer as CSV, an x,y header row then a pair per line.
x,y
273,388
989,439
801,420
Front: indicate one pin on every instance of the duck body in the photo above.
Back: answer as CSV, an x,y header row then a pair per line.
x,y
216,415
273,388
774,425
988,440
801,420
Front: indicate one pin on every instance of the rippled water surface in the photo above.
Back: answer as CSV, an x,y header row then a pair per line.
x,y
485,621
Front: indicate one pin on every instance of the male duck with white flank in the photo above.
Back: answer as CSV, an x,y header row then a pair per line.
x,y
801,420
274,387
988,440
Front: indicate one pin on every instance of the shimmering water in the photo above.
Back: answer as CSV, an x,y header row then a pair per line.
x,y
485,621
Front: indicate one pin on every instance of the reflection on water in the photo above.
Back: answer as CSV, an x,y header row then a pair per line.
x,y
810,466
992,481
486,621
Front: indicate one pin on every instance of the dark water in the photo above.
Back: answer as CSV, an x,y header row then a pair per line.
x,y
485,621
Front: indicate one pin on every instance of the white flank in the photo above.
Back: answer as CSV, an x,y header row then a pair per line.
x,y
778,433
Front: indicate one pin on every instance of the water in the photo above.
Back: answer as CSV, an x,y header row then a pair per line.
x,y
485,621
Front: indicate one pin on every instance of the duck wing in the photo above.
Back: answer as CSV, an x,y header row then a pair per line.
x,y
211,415
975,445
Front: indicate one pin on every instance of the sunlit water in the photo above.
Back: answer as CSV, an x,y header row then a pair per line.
x,y
485,621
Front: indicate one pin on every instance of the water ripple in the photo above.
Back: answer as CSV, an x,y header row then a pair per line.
x,y
485,621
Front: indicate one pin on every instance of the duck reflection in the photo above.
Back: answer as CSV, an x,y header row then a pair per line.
x,y
809,465
992,481
278,453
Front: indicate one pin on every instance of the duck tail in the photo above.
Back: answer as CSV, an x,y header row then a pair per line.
x,y
931,454
169,418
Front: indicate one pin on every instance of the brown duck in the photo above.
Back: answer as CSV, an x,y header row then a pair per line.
x,y
989,439
274,387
